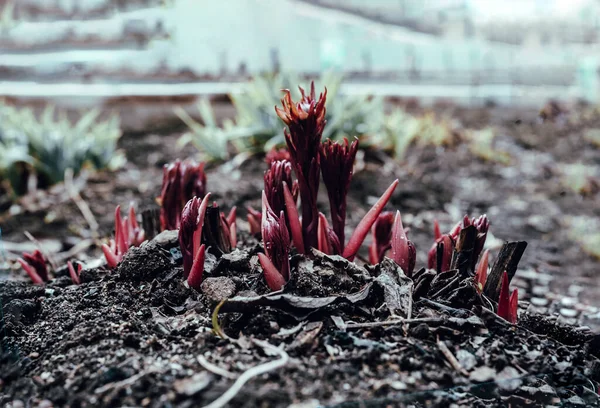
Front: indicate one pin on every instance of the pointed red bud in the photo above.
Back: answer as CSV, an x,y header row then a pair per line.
x,y
74,274
194,278
272,276
482,272
504,299
382,237
361,231
293,219
403,251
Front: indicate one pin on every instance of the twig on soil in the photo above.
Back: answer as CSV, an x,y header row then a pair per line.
x,y
368,325
123,383
451,359
79,247
207,365
81,203
252,372
46,254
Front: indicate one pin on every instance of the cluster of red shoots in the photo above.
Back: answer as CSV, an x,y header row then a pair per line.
x,y
35,266
202,227
182,180
127,234
310,159
445,245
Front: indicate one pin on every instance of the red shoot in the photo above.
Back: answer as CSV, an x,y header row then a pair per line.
x,y
276,241
272,276
194,278
35,266
230,221
482,224
514,307
446,245
481,271
337,161
436,230
363,227
279,173
328,242
190,235
254,219
382,237
277,155
181,182
127,234
75,274
403,251
305,122
507,305
293,219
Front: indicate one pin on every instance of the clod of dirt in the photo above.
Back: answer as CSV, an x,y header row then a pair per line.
x,y
218,289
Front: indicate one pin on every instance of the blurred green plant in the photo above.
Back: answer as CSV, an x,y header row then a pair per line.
x,y
584,230
592,136
481,145
580,178
256,127
7,19
52,144
402,129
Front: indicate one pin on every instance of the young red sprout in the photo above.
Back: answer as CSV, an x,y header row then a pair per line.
x,y
254,220
305,122
382,237
403,251
508,305
190,240
278,175
363,227
449,241
35,266
181,182
481,272
293,219
328,241
277,155
337,161
276,240
75,274
482,223
230,223
128,233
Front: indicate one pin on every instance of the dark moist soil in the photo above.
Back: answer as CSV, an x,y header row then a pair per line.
x,y
132,337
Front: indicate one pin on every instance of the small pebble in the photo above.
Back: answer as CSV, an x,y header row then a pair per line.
x,y
568,312
568,301
538,301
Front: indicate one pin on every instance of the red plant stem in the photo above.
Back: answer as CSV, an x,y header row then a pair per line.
x,y
35,277
194,279
275,281
513,307
437,234
364,226
324,245
482,271
293,220
74,275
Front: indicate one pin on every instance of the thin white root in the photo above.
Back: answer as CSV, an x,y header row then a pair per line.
x,y
252,372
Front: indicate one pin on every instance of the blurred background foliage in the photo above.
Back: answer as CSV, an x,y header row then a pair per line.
x,y
36,150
